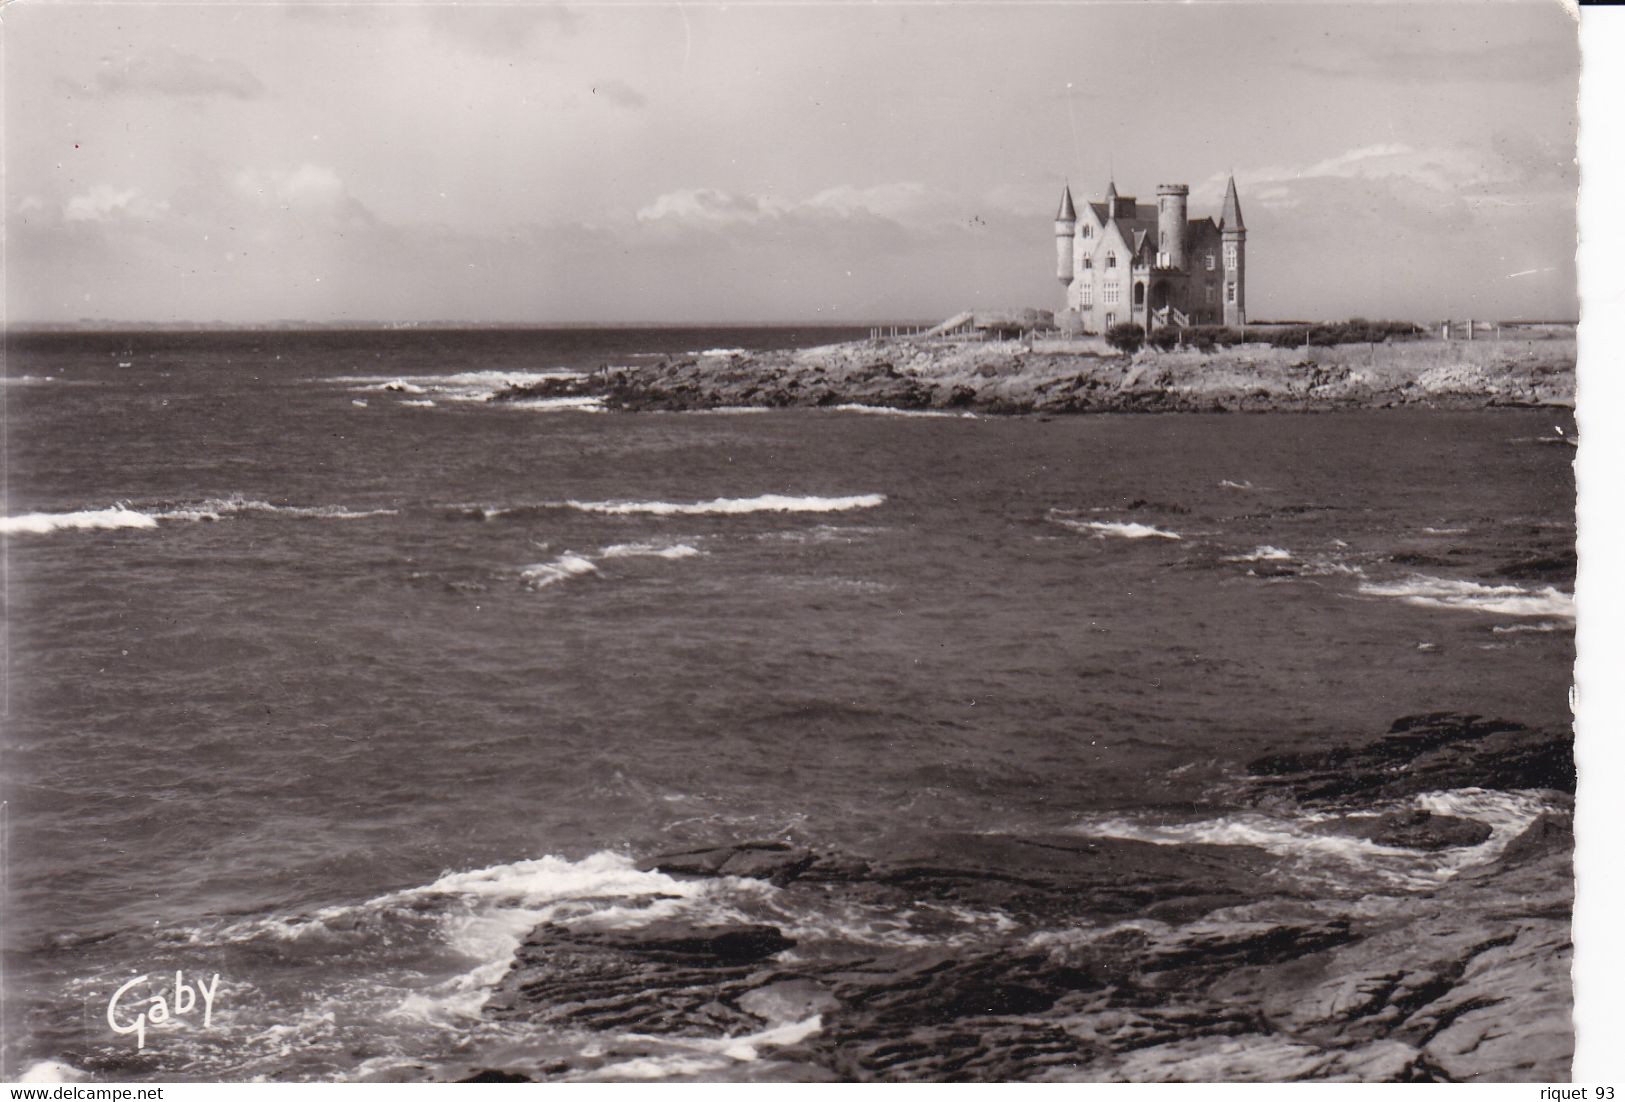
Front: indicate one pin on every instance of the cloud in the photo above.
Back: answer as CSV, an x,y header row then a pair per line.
x,y
1535,59
620,93
904,204
706,207
105,203
170,72
310,190
1399,176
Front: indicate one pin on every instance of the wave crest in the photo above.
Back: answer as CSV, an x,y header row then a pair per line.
x,y
1129,530
1427,591
37,524
728,506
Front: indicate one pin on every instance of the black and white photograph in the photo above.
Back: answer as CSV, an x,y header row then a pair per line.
x,y
791,543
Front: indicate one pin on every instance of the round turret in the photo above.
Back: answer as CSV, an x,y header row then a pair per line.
x,y
1171,205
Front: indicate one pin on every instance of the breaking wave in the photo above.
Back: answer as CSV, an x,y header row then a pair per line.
x,y
1325,859
567,565
556,405
650,550
890,411
1542,626
574,565
216,508
210,509
1262,553
477,918
727,506
85,519
461,386
1101,529
1507,600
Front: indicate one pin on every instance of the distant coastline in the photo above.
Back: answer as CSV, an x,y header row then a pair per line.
x,y
1013,377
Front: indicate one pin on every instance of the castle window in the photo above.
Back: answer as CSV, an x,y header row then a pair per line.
x,y
1088,231
1210,264
1209,290
1162,241
1229,292
1111,260
1086,295
1230,257
1111,294
1139,294
1088,263
1111,320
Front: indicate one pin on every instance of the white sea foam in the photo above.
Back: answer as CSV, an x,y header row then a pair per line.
x,y
728,411
1101,529
362,402
482,915
1446,531
1326,566
84,519
50,1071
566,566
889,411
1226,484
585,404
742,1047
727,506
1542,626
1262,553
650,550
419,403
210,509
1327,858
461,386
722,352
217,508
1505,600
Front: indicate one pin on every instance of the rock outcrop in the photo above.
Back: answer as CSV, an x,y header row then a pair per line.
x,y
1110,959
1017,378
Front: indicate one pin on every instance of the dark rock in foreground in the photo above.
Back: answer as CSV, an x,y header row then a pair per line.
x,y
1424,753
1111,959
1412,830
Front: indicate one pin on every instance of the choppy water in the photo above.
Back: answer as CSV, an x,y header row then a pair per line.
x,y
330,677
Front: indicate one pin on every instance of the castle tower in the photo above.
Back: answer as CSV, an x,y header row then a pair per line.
x,y
1066,222
1233,234
1171,201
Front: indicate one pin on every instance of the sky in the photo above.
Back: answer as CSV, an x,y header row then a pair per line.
x,y
759,162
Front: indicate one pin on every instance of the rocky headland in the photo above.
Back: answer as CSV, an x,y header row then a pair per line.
x,y
1087,377
1113,958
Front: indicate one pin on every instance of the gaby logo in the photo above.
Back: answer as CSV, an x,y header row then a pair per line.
x,y
129,1014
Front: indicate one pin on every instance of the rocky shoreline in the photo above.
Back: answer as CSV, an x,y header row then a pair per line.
x,y
1114,959
1058,377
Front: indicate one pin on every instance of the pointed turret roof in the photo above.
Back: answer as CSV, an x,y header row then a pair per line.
x,y
1111,190
1067,213
1230,218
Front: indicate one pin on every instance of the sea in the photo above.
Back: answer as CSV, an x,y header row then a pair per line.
x,y
329,677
